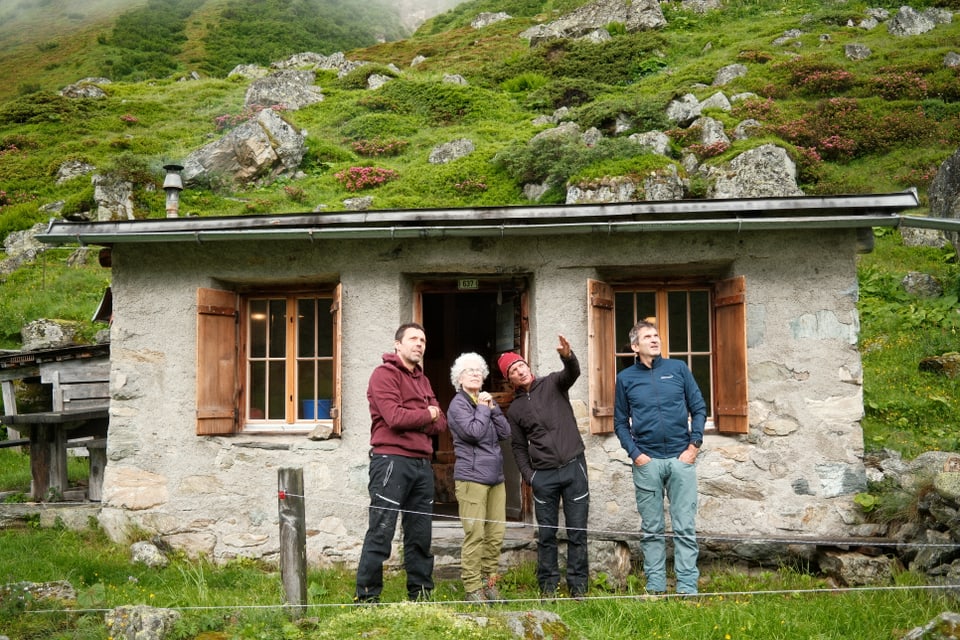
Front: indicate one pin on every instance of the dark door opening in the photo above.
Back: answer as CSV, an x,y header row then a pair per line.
x,y
488,319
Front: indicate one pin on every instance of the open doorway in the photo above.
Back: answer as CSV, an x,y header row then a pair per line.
x,y
487,316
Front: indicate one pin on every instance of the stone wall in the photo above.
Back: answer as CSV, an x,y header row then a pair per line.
x,y
794,473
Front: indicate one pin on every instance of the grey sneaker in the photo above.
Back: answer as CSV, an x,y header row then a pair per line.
x,y
476,597
492,594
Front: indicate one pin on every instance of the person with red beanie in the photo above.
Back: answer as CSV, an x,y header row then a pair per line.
x,y
550,456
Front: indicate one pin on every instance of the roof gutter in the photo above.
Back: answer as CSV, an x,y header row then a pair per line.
x,y
944,224
107,236
750,214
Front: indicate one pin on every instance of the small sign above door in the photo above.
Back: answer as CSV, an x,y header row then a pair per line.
x,y
468,283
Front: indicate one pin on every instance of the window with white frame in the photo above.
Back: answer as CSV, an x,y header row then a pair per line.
x,y
702,323
267,361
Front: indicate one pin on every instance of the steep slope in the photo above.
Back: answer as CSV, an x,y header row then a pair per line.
x,y
47,44
883,123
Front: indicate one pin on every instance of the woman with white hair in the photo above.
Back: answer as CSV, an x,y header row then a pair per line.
x,y
478,426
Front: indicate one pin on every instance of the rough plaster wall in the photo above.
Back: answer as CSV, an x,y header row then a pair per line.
x,y
794,472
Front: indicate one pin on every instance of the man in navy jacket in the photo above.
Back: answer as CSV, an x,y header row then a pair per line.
x,y
659,416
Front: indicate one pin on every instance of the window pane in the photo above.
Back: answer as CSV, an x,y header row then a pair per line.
x,y
257,393
624,361
677,312
623,320
324,327
306,379
647,306
278,328
325,379
700,321
306,327
700,365
276,408
258,328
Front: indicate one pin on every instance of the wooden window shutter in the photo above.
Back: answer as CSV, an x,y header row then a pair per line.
x,y
218,390
730,363
336,313
601,355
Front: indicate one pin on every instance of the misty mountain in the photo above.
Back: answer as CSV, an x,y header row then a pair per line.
x,y
45,44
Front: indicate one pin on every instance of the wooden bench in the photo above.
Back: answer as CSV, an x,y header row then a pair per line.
x,y
79,382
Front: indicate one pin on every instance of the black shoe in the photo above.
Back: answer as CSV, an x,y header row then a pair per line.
x,y
548,594
421,595
366,599
578,594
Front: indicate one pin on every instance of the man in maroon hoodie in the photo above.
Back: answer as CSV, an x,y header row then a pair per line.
x,y
404,415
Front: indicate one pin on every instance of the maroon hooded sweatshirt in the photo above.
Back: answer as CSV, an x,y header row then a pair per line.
x,y
399,398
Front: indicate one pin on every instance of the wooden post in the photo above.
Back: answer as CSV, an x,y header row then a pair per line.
x,y
293,539
40,444
97,449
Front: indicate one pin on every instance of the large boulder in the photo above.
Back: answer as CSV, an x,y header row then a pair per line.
x,y
638,15
258,150
48,334
114,197
910,22
141,622
86,88
290,88
944,194
764,172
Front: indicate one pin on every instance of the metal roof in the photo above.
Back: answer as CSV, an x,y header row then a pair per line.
x,y
742,214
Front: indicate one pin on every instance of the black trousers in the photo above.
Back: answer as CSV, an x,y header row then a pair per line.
x,y
399,486
568,485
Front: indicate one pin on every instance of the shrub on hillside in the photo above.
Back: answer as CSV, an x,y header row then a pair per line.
x,y
812,77
552,160
524,82
564,92
357,78
36,108
379,125
360,178
321,152
262,32
644,114
844,128
375,147
620,61
892,84
441,103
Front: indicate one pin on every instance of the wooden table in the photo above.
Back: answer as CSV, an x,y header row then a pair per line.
x,y
77,379
49,432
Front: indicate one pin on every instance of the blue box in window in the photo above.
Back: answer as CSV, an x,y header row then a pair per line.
x,y
316,409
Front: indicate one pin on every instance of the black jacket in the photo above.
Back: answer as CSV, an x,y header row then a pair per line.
x,y
545,433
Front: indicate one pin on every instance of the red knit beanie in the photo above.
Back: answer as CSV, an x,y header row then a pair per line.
x,y
506,361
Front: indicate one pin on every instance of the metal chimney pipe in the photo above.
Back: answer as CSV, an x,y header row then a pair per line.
x,y
173,185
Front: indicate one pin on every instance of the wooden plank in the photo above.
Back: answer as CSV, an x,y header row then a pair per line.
x,y
71,371
56,417
39,462
98,462
58,465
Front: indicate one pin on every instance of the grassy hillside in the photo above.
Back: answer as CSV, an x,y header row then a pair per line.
x,y
48,44
877,125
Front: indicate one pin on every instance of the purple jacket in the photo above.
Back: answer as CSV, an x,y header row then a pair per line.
x,y
477,432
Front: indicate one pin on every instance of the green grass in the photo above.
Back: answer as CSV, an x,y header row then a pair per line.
x,y
15,472
50,288
908,410
510,83
242,598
